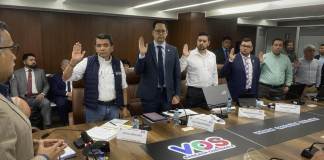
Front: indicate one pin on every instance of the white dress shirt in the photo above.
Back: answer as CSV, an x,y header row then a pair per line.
x,y
106,84
34,88
201,69
250,71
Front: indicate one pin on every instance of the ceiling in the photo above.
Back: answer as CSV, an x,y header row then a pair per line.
x,y
275,10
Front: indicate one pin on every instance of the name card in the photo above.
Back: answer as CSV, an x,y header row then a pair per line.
x,y
201,122
133,135
289,108
251,113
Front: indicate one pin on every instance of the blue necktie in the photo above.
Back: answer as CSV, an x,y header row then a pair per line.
x,y
160,66
226,54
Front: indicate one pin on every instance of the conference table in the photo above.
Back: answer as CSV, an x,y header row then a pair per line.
x,y
125,150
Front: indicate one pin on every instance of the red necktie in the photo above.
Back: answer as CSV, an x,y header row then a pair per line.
x,y
29,83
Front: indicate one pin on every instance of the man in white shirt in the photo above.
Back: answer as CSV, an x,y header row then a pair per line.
x,y
105,90
201,70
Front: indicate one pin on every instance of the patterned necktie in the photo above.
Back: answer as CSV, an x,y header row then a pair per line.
x,y
29,83
247,72
160,66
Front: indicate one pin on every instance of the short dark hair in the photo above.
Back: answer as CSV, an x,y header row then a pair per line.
x,y
105,36
246,39
125,61
277,39
26,55
159,21
203,34
322,45
226,38
287,42
3,25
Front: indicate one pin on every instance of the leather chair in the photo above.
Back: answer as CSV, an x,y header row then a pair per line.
x,y
78,108
134,103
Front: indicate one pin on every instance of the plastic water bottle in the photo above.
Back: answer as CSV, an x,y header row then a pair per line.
x,y
136,123
229,104
176,117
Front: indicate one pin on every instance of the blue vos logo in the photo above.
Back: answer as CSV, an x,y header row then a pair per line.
x,y
199,148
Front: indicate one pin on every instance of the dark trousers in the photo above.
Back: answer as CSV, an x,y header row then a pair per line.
x,y
159,104
271,92
195,97
64,107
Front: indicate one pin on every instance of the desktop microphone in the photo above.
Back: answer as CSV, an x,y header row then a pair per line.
x,y
310,151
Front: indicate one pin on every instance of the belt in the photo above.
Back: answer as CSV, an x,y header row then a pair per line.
x,y
107,103
272,86
32,95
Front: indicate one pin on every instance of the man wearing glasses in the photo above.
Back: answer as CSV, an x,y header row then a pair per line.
x,y
105,89
242,71
159,67
16,137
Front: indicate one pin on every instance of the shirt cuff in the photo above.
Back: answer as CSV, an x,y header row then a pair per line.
x,y
141,56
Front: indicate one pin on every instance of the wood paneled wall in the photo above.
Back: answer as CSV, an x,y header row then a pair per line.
x,y
50,35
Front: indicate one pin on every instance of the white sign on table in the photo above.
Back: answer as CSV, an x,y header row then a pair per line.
x,y
288,108
133,135
251,113
201,122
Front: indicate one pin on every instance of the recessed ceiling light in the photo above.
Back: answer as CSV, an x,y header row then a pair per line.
x,y
291,18
193,5
149,4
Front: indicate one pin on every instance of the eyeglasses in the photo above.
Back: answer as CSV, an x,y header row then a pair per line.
x,y
102,45
160,31
246,46
14,48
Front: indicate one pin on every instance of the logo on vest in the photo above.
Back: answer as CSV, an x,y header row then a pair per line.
x,y
199,148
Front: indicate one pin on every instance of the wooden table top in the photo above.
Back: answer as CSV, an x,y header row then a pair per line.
x,y
124,150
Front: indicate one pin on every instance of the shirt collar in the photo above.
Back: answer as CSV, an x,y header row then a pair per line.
x,y
26,69
249,56
4,89
100,59
157,44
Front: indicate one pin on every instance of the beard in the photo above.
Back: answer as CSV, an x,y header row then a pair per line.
x,y
33,66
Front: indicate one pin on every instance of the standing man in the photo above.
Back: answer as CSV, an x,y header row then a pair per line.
x,y
16,134
276,72
62,93
201,70
30,83
290,50
222,53
308,70
159,68
320,57
105,89
242,71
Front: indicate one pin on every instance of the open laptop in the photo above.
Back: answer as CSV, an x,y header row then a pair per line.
x,y
216,96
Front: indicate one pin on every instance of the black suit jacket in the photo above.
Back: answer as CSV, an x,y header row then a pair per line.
x,y
220,57
147,68
322,73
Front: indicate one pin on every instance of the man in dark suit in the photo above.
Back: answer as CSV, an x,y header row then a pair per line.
x,y
159,67
61,93
222,53
242,71
30,83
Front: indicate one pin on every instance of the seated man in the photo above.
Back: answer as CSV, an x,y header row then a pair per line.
x,y
308,69
61,93
31,84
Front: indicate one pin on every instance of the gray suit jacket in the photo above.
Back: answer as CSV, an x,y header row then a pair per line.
x,y
16,133
18,85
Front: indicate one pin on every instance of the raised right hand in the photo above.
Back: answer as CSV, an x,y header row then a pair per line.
x,y
261,56
185,51
77,53
231,55
142,46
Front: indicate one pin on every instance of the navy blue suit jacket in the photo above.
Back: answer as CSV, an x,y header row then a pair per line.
x,y
147,68
236,76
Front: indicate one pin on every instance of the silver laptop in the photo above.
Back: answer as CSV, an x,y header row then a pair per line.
x,y
216,96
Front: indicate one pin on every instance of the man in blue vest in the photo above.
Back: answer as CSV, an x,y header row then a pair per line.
x,y
105,86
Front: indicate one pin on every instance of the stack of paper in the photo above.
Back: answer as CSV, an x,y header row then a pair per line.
x,y
107,131
68,153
